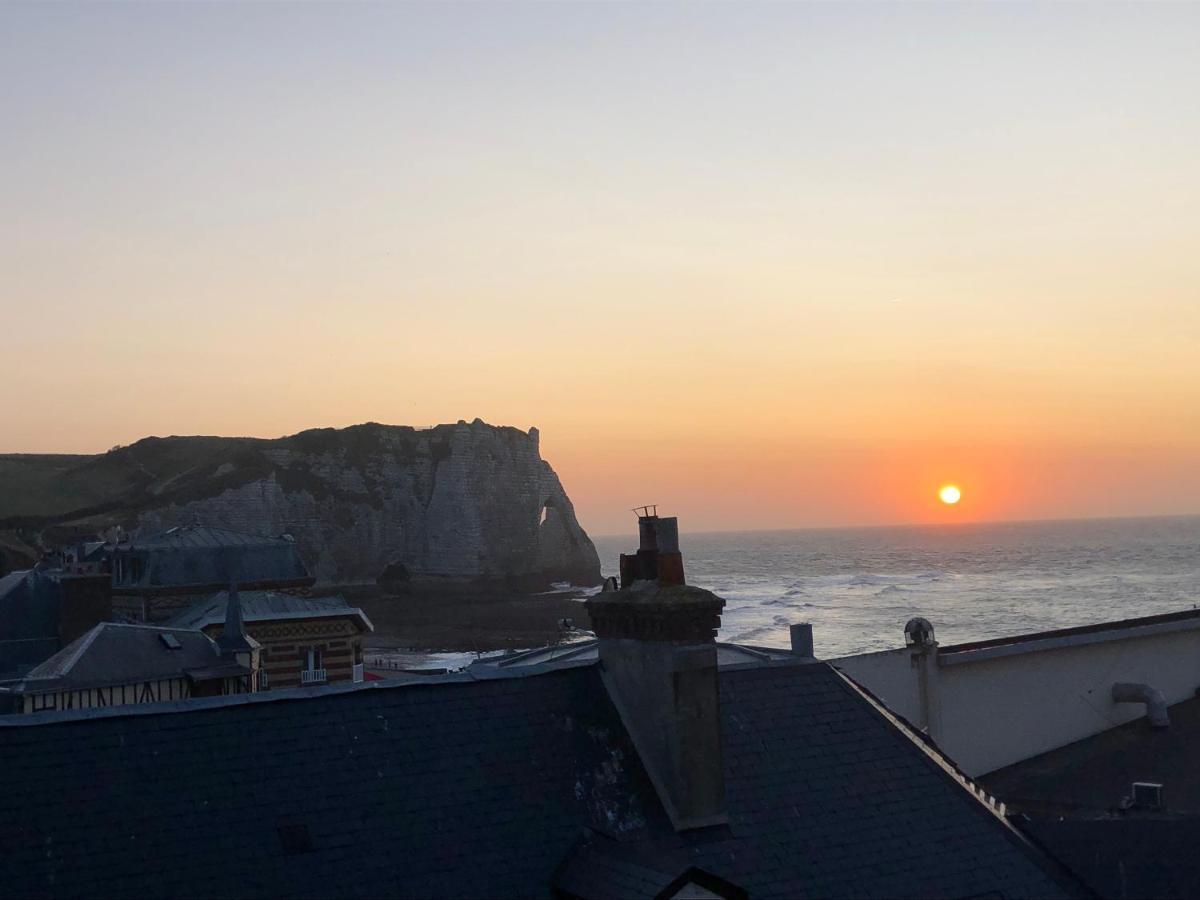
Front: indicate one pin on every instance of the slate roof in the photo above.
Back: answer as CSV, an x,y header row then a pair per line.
x,y
268,606
589,651
1121,858
198,556
1072,798
28,620
120,653
1088,778
204,537
482,785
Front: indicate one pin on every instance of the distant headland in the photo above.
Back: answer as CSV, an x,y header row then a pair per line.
x,y
462,504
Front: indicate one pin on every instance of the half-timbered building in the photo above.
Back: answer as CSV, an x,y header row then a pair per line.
x,y
118,663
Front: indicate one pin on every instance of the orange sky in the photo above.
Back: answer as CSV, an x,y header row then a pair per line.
x,y
765,266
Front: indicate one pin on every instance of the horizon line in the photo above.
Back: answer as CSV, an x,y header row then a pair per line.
x,y
1047,520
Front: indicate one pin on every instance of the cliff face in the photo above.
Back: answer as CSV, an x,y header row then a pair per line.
x,y
469,502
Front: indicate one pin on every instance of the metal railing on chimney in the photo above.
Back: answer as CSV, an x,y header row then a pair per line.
x,y
312,676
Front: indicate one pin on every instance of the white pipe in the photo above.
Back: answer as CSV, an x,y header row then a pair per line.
x,y
1156,703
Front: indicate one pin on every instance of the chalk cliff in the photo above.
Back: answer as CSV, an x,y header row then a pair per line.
x,y
467,502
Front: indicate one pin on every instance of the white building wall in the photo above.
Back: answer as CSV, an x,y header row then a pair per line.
x,y
987,713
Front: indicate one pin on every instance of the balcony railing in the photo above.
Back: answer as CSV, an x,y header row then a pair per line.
x,y
312,676
263,681
358,672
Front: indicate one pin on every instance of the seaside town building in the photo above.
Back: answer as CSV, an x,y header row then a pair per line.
x,y
117,663
997,702
44,609
156,576
304,640
648,771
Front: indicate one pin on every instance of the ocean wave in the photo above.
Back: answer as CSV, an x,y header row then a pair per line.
x,y
870,579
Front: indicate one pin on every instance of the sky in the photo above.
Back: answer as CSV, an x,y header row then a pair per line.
x,y
767,266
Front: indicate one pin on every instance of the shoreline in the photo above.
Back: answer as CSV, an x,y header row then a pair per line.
x,y
424,622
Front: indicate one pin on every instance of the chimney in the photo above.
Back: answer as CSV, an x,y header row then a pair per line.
x,y
658,659
657,558
802,639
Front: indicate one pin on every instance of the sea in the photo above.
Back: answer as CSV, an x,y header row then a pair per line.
x,y
858,586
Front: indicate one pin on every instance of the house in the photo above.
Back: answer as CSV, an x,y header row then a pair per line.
x,y
305,640
114,664
994,703
42,610
156,576
646,772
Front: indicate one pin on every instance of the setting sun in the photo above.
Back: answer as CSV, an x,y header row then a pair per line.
x,y
949,494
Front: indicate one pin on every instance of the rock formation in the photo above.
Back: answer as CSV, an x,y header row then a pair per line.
x,y
465,503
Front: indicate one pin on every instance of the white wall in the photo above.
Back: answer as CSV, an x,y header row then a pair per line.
x,y
987,713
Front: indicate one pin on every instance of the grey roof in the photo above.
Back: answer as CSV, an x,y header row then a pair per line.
x,y
28,619
204,537
588,651
600,868
200,556
1122,858
268,606
1088,778
481,786
120,653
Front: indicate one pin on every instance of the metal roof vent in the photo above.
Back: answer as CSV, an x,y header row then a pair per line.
x,y
1147,795
918,632
171,642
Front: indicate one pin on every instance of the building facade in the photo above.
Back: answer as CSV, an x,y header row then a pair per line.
x,y
117,664
304,640
157,576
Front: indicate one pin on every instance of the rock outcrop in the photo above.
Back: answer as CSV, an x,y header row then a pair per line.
x,y
469,503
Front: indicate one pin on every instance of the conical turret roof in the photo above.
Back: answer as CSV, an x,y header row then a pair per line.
x,y
233,637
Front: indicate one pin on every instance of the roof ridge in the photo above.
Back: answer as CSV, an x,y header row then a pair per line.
x,y
975,794
82,643
149,627
284,695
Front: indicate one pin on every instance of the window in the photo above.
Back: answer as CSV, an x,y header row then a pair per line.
x,y
314,668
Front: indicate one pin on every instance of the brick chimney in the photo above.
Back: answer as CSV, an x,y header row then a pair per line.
x,y
658,659
658,557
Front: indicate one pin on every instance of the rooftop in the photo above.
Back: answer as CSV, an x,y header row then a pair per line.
x,y
28,619
198,556
205,536
588,651
481,784
268,606
1090,777
1033,642
118,653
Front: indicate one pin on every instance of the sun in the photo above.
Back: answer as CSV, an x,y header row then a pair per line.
x,y
949,494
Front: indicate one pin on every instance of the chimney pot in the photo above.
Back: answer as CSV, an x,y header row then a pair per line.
x,y
802,639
